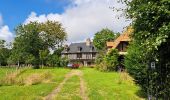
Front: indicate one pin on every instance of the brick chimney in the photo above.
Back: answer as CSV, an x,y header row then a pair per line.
x,y
88,42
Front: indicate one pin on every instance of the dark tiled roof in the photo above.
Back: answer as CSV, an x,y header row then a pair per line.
x,y
74,48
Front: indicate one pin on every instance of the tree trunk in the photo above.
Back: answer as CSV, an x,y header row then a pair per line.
x,y
18,63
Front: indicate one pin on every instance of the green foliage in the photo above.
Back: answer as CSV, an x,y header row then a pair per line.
x,y
99,57
111,59
56,60
136,64
102,37
4,53
151,23
34,40
108,62
29,59
43,56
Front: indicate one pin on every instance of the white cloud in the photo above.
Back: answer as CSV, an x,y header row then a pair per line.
x,y
83,18
42,18
5,33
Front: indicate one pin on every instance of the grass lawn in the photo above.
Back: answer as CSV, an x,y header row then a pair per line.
x,y
109,86
98,85
32,92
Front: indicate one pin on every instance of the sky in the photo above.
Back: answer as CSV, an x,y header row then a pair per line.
x,y
80,18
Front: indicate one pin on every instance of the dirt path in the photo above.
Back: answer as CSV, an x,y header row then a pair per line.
x,y
55,92
83,89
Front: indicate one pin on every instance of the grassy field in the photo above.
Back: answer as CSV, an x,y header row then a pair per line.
x,y
110,86
4,71
32,92
36,84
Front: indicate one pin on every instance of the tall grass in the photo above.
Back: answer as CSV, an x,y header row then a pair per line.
x,y
38,78
11,77
125,78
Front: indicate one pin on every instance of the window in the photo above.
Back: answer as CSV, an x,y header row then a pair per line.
x,y
93,55
79,55
79,49
122,47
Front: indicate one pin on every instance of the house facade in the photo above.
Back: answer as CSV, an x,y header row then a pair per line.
x,y
122,42
83,53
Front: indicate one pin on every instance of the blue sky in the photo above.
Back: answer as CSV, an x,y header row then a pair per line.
x,y
80,18
15,12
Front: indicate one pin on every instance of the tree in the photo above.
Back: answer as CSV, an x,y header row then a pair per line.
x,y
136,65
102,37
108,62
151,23
4,53
43,56
29,59
37,38
52,34
56,60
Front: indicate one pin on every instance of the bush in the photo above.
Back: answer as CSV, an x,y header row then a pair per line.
x,y
63,62
135,62
108,62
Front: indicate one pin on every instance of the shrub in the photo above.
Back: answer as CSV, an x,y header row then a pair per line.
x,y
108,62
135,62
63,62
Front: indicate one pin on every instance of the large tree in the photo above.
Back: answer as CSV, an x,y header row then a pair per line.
x,y
151,43
35,38
102,37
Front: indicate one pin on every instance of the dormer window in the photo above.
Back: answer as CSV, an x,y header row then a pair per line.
x,y
91,48
79,49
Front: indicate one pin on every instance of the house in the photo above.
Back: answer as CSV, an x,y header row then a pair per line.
x,y
83,53
121,43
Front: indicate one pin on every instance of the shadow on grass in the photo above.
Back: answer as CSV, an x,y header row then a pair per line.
x,y
140,93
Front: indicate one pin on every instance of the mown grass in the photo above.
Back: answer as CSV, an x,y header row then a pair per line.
x,y
110,85
100,85
71,90
32,92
